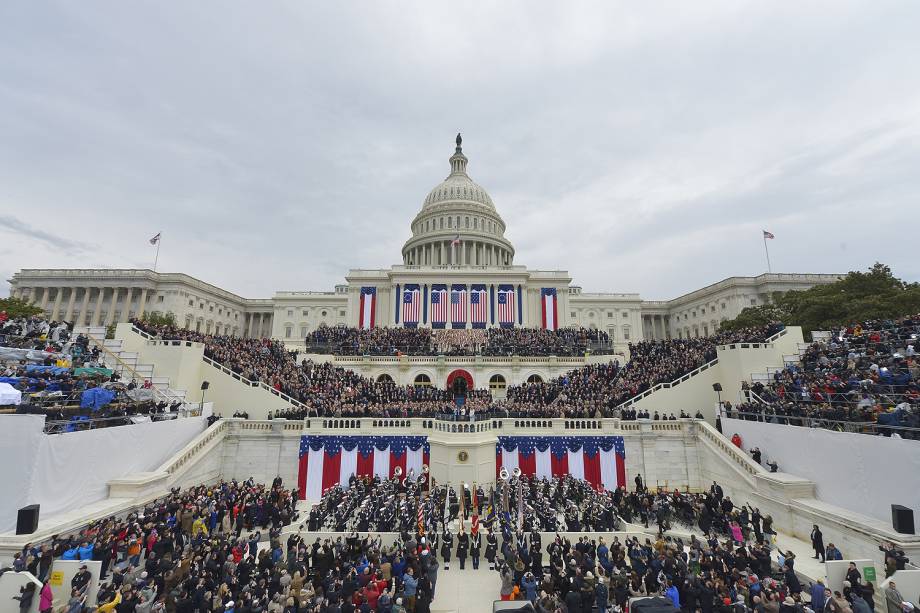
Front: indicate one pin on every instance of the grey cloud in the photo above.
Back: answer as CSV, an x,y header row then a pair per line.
x,y
640,147
48,239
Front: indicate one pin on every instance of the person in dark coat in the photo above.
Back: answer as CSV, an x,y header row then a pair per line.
x,y
817,542
491,549
463,547
475,549
447,543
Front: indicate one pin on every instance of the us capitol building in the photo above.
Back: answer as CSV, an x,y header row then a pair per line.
x,y
457,271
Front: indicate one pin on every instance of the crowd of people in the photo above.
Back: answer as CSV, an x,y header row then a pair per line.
x,y
63,377
589,392
865,373
733,566
197,549
596,390
344,340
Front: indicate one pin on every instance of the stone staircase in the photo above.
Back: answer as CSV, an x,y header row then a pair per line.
x,y
126,364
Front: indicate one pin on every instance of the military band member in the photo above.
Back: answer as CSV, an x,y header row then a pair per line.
x,y
447,543
475,548
491,549
463,547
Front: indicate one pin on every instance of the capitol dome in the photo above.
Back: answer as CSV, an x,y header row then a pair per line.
x,y
458,224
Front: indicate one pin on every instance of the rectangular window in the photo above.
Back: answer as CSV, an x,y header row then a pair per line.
x,y
450,221
573,314
625,314
626,334
287,333
609,314
305,312
753,301
290,312
159,298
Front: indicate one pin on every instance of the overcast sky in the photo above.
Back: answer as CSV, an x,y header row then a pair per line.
x,y
641,146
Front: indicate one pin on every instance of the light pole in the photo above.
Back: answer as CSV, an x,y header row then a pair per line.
x,y
204,386
717,388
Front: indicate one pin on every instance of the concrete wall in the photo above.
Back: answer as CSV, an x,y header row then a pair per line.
x,y
183,363
10,583
735,364
791,501
863,473
907,582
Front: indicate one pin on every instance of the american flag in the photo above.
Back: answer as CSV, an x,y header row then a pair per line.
x,y
411,305
439,306
474,527
479,306
506,307
156,239
456,240
768,234
458,306
421,516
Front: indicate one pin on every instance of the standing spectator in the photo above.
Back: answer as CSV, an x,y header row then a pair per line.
x,y
893,598
817,542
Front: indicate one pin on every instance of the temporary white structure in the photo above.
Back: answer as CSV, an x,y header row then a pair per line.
x,y
9,395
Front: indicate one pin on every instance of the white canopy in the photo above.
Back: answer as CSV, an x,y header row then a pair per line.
x,y
9,395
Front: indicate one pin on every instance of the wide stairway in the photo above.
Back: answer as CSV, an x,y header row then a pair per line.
x,y
126,364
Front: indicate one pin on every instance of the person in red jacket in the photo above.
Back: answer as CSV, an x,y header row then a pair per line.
x,y
736,440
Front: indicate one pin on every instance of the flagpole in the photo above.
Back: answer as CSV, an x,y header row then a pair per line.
x,y
157,258
766,250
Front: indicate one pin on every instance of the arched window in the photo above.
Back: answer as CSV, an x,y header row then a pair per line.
x,y
625,333
450,221
422,380
288,331
384,378
534,379
497,382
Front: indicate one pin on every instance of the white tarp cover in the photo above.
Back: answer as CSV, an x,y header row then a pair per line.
x,y
11,354
62,472
859,472
9,395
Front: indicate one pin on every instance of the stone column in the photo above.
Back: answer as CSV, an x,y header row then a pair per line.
x,y
44,301
259,326
142,304
69,312
84,304
98,310
126,312
58,294
113,302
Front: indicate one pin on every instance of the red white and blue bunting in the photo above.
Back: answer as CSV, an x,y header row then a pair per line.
x,y
600,460
329,460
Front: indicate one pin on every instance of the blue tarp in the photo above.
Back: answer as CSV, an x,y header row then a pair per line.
x,y
54,370
96,398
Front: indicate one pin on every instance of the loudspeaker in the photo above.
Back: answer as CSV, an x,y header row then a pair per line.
x,y
27,519
717,387
902,519
205,385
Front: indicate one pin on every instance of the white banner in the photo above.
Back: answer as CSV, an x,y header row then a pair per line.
x,y
859,472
